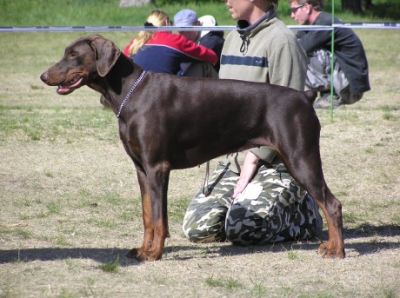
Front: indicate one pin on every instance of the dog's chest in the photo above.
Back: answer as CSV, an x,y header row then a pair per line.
x,y
130,142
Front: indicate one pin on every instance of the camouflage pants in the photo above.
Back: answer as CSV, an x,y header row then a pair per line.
x,y
272,208
319,77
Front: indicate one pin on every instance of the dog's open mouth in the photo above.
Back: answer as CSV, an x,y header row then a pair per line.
x,y
67,88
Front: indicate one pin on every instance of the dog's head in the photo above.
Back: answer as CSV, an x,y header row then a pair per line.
x,y
83,61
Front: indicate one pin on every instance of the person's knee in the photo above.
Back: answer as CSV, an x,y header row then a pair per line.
x,y
347,96
350,97
246,235
233,237
198,236
201,230
241,228
201,235
189,227
192,235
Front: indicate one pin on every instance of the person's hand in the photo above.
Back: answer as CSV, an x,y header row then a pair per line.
x,y
239,187
248,169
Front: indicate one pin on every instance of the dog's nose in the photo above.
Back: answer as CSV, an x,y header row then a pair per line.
x,y
44,77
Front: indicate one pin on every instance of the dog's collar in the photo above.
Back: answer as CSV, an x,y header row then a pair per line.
x,y
134,85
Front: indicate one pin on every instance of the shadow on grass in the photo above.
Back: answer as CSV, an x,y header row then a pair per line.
x,y
109,255
352,242
368,230
101,255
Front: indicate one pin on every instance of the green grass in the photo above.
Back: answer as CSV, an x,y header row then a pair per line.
x,y
350,218
15,232
229,284
105,223
66,293
53,208
293,255
92,12
62,241
389,293
259,290
108,12
67,184
111,267
32,123
177,209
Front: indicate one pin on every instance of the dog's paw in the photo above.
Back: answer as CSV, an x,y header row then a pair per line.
x,y
327,250
142,256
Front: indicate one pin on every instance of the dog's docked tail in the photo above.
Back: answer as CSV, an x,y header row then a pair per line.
x,y
311,95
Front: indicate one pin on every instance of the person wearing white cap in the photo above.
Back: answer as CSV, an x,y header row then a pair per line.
x,y
188,18
211,39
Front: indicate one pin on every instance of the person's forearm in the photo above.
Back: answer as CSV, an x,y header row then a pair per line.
x,y
247,171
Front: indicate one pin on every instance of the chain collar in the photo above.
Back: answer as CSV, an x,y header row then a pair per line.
x,y
134,85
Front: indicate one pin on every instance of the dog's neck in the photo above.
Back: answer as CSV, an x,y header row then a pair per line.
x,y
117,82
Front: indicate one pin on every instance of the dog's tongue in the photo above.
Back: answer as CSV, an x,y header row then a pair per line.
x,y
63,90
68,89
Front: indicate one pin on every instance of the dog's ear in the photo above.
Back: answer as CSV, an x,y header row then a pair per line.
x,y
106,54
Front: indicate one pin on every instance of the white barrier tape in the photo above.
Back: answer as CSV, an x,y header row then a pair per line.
x,y
186,28
112,28
368,25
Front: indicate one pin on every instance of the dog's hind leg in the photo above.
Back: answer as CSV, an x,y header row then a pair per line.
x,y
305,166
332,209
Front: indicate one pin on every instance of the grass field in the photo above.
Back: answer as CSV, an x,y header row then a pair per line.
x,y
70,207
108,12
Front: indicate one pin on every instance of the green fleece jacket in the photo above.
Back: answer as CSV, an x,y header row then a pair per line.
x,y
266,51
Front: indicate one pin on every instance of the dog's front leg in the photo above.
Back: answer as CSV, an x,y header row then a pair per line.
x,y
140,253
155,219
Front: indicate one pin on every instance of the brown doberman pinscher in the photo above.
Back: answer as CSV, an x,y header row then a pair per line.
x,y
168,122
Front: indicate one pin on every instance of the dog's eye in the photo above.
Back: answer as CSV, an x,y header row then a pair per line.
x,y
72,54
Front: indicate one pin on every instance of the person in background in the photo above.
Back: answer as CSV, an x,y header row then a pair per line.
x,y
156,18
256,201
211,39
164,51
188,18
350,72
